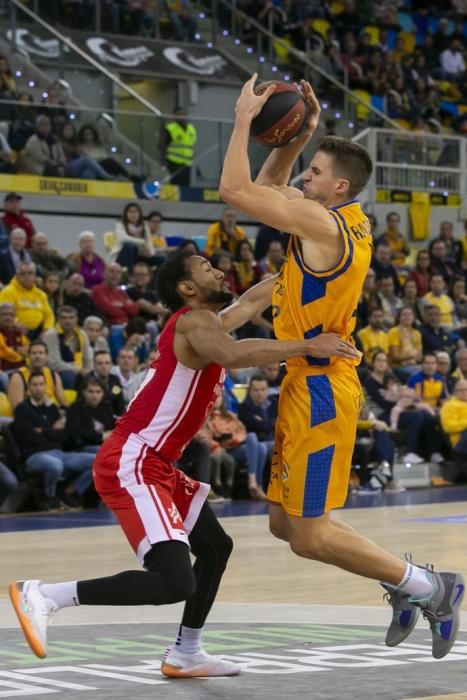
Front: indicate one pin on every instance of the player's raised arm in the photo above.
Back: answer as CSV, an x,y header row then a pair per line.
x,y
199,342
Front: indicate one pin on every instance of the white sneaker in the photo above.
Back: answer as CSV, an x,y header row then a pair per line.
x,y
34,613
436,458
412,458
175,664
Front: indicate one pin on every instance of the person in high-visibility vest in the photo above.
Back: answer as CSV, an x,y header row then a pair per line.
x,y
178,145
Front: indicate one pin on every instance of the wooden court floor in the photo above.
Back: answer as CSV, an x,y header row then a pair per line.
x,y
262,569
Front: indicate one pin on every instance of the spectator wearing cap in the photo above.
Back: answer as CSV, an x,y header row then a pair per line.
x,y
47,259
16,254
31,304
86,261
14,217
112,300
78,297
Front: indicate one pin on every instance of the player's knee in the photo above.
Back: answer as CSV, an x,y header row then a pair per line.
x,y
182,588
226,547
312,547
278,531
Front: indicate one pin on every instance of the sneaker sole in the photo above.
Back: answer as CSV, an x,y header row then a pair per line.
x,y
195,672
26,625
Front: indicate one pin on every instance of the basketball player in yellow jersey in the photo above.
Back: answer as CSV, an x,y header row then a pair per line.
x,y
317,291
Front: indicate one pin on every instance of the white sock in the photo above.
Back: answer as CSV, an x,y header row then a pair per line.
x,y
64,595
189,640
416,582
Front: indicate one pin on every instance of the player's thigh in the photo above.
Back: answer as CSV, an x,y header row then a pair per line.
x,y
308,536
278,522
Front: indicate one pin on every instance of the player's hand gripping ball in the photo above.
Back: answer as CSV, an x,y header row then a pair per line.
x,y
283,117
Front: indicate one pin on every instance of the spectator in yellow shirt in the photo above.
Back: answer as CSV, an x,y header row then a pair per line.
x,y
453,416
373,337
13,344
395,240
437,297
405,345
31,304
224,234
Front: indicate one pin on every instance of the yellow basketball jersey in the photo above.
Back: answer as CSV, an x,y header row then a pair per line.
x,y
307,303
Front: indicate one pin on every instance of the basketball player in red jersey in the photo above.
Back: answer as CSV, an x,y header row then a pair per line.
x,y
161,511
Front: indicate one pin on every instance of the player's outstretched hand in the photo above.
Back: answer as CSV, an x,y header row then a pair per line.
x,y
249,104
315,109
328,344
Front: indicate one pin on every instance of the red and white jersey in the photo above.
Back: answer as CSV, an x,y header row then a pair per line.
x,y
173,401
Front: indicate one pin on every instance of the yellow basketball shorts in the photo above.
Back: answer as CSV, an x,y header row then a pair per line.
x,y
314,441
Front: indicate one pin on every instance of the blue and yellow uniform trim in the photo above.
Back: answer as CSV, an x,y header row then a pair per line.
x,y
320,397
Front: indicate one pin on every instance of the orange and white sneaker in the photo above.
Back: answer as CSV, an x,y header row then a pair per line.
x,y
34,613
175,664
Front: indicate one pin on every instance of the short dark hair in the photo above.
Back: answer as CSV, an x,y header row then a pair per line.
x,y
39,343
88,380
67,310
393,213
171,272
350,161
257,378
102,352
154,213
36,373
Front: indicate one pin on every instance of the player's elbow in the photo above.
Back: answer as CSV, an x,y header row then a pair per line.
x,y
227,192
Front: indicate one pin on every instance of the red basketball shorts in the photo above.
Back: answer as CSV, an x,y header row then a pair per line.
x,y
153,501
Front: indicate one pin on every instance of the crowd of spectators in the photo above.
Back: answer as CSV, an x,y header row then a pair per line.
x,y
406,57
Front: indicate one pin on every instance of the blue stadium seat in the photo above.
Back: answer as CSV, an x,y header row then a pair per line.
x,y
392,38
405,21
201,241
433,24
378,102
449,107
174,241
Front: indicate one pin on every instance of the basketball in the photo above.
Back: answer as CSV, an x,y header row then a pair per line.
x,y
283,116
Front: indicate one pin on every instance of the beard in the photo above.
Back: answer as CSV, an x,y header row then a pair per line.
x,y
213,296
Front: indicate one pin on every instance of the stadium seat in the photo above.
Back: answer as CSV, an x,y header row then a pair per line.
x,y
433,24
409,41
174,241
70,395
109,240
378,102
362,111
374,34
280,49
201,241
405,21
240,391
449,107
337,7
392,39
403,123
321,26
5,407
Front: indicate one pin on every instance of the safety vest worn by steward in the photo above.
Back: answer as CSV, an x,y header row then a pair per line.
x,y
181,148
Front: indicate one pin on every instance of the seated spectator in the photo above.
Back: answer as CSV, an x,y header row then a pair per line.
x,y
421,272
93,326
22,125
411,300
91,145
223,261
137,338
227,437
52,286
395,240
382,451
7,157
111,299
45,258
440,263
264,237
14,216
405,345
42,430
126,371
461,365
434,336
373,337
154,221
224,234
31,304
182,19
69,350
132,238
384,395
438,297
37,362
390,304
274,373
454,247
150,309
258,412
369,299
274,258
75,295
78,165
452,61
90,420
113,390
43,153
382,266
247,270
459,297
428,384
86,261
453,417
53,107
14,345
15,254
443,367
